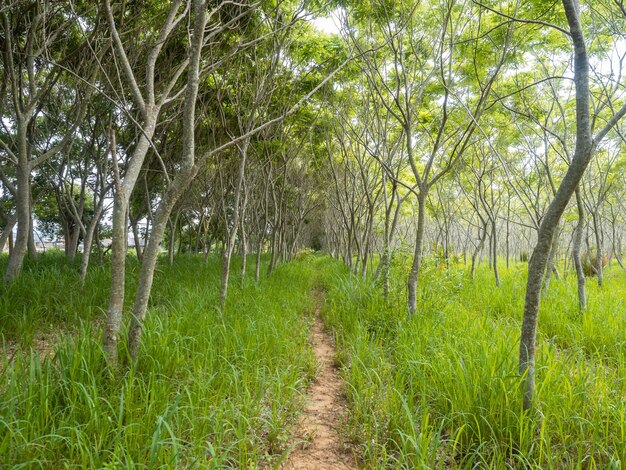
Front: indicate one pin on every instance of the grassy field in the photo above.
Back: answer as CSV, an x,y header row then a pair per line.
x,y
440,390
209,391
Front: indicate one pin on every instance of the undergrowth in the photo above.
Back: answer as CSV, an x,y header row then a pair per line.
x,y
441,389
210,390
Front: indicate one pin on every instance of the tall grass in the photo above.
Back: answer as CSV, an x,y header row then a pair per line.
x,y
210,390
441,390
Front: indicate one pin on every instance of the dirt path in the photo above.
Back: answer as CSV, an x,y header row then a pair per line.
x,y
325,407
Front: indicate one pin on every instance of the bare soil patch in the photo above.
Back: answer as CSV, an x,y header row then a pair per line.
x,y
321,445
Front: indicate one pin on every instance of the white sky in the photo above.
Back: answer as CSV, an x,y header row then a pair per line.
x,y
327,25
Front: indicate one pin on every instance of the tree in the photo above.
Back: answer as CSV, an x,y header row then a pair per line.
x,y
585,147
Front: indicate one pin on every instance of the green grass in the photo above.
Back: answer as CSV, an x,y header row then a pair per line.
x,y
209,390
438,390
441,389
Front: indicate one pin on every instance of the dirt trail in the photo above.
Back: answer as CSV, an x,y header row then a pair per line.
x,y
325,407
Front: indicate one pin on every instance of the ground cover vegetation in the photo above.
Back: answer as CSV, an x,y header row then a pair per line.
x,y
210,390
166,167
440,390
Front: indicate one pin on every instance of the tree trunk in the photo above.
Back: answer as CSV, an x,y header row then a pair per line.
x,y
72,247
88,241
8,230
134,223
32,248
244,252
232,231
576,251
119,243
22,201
494,232
172,239
551,267
508,232
150,256
580,161
177,188
257,271
118,277
599,251
481,242
417,255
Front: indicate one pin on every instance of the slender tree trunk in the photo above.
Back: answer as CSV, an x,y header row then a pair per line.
x,y
577,167
508,232
118,277
417,255
172,238
617,252
135,227
244,253
232,231
8,230
22,201
479,248
88,242
576,251
599,251
177,188
257,271
494,232
551,267
32,248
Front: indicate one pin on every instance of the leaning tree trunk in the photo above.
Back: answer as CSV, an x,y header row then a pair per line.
x,y
150,256
119,243
582,155
177,188
244,253
8,230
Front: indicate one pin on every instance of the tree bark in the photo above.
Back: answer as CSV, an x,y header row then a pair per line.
x,y
576,251
8,230
599,251
22,212
232,231
88,241
577,167
180,183
417,254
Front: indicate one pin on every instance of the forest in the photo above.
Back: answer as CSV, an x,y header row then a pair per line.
x,y
313,234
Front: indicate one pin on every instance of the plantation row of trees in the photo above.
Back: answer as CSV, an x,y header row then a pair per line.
x,y
460,125
469,129
185,118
